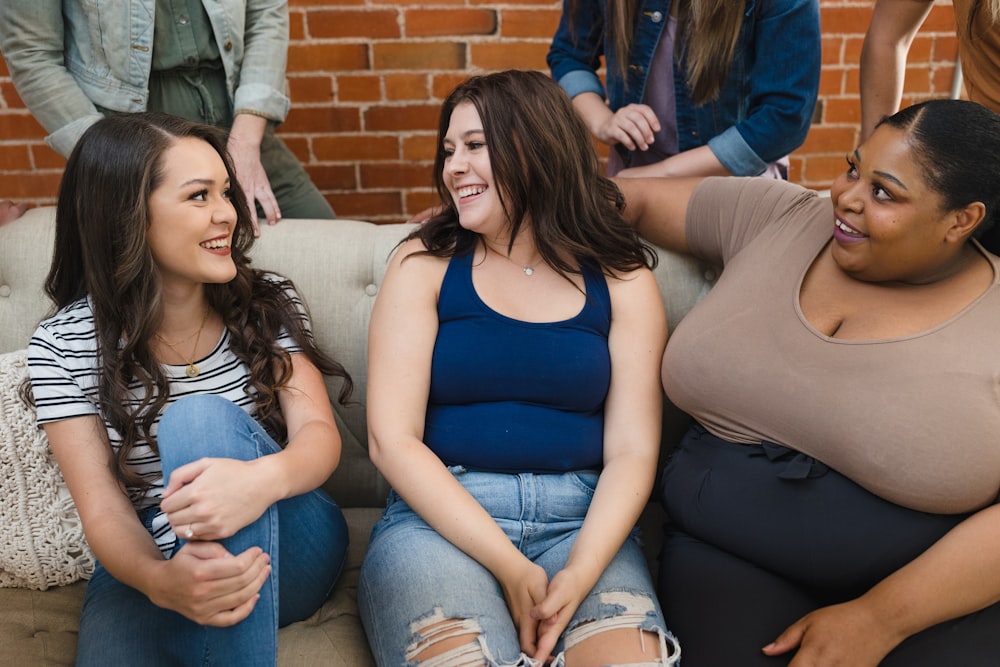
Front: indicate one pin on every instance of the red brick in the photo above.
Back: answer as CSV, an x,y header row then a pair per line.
x,y
44,157
843,111
529,22
845,20
8,94
417,201
30,185
419,55
333,176
823,170
420,147
945,48
441,22
406,87
918,80
831,81
367,205
323,119
14,157
310,88
509,54
363,88
20,125
443,84
832,50
296,26
402,118
356,147
396,175
837,140
299,145
327,57
367,24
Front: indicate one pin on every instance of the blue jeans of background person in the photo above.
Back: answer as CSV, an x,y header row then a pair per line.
x,y
120,626
413,578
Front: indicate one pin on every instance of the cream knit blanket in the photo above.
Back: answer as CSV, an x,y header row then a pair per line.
x,y
41,537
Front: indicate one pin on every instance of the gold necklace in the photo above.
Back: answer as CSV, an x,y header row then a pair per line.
x,y
529,270
192,369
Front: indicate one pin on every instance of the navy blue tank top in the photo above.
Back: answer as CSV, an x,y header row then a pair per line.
x,y
513,396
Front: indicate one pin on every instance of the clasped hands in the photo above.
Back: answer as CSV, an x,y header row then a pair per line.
x,y
212,498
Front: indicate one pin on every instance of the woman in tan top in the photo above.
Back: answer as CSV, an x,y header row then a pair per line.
x,y
835,501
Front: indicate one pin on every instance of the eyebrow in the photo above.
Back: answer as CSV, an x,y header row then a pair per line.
x,y
465,135
882,174
200,181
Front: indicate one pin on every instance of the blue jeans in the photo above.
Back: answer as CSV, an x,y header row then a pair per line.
x,y
120,626
413,578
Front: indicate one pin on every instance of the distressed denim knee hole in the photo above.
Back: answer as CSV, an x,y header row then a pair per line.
x,y
429,631
626,610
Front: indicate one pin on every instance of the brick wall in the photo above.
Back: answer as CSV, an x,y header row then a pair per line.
x,y
366,78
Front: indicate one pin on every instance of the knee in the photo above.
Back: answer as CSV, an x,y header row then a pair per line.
x,y
628,631
436,641
204,423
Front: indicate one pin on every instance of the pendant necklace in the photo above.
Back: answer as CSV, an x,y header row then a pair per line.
x,y
192,369
528,270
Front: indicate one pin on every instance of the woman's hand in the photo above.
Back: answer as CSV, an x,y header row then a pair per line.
x,y
210,586
524,586
843,635
632,126
244,146
553,614
214,498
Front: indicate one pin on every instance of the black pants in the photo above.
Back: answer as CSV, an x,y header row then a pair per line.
x,y
761,535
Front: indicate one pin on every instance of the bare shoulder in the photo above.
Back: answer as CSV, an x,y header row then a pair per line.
x,y
636,289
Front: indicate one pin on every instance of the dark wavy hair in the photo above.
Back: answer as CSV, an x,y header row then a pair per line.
x,y
956,143
102,252
547,175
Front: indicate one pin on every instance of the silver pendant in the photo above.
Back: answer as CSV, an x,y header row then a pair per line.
x,y
528,270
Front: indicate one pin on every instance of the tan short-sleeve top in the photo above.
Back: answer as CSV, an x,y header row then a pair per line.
x,y
914,419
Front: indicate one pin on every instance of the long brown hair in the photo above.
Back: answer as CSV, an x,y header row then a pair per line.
x,y
101,252
707,34
991,6
546,171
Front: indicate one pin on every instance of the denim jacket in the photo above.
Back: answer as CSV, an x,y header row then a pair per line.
x,y
65,55
766,105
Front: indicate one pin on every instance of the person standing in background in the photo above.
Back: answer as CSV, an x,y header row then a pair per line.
x,y
694,87
893,26
221,63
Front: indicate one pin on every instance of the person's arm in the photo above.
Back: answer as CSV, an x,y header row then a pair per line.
x,y
401,339
781,99
11,211
31,40
631,447
633,125
202,581
221,496
259,97
958,575
657,208
894,24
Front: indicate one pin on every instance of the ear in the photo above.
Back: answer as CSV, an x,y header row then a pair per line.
x,y
964,221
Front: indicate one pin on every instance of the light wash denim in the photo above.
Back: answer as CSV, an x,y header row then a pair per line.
x,y
66,55
120,626
412,577
766,106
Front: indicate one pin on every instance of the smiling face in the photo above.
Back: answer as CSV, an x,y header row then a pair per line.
x,y
468,172
191,216
889,224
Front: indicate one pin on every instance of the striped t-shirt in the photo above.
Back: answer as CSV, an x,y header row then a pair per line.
x,y
62,361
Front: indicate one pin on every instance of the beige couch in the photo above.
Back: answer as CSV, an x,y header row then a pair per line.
x,y
338,266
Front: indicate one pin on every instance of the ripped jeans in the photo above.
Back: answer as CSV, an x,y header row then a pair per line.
x,y
412,578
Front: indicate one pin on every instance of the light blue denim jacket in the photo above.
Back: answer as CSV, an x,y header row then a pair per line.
x,y
65,55
765,107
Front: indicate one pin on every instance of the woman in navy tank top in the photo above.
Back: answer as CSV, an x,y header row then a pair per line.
x,y
513,402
